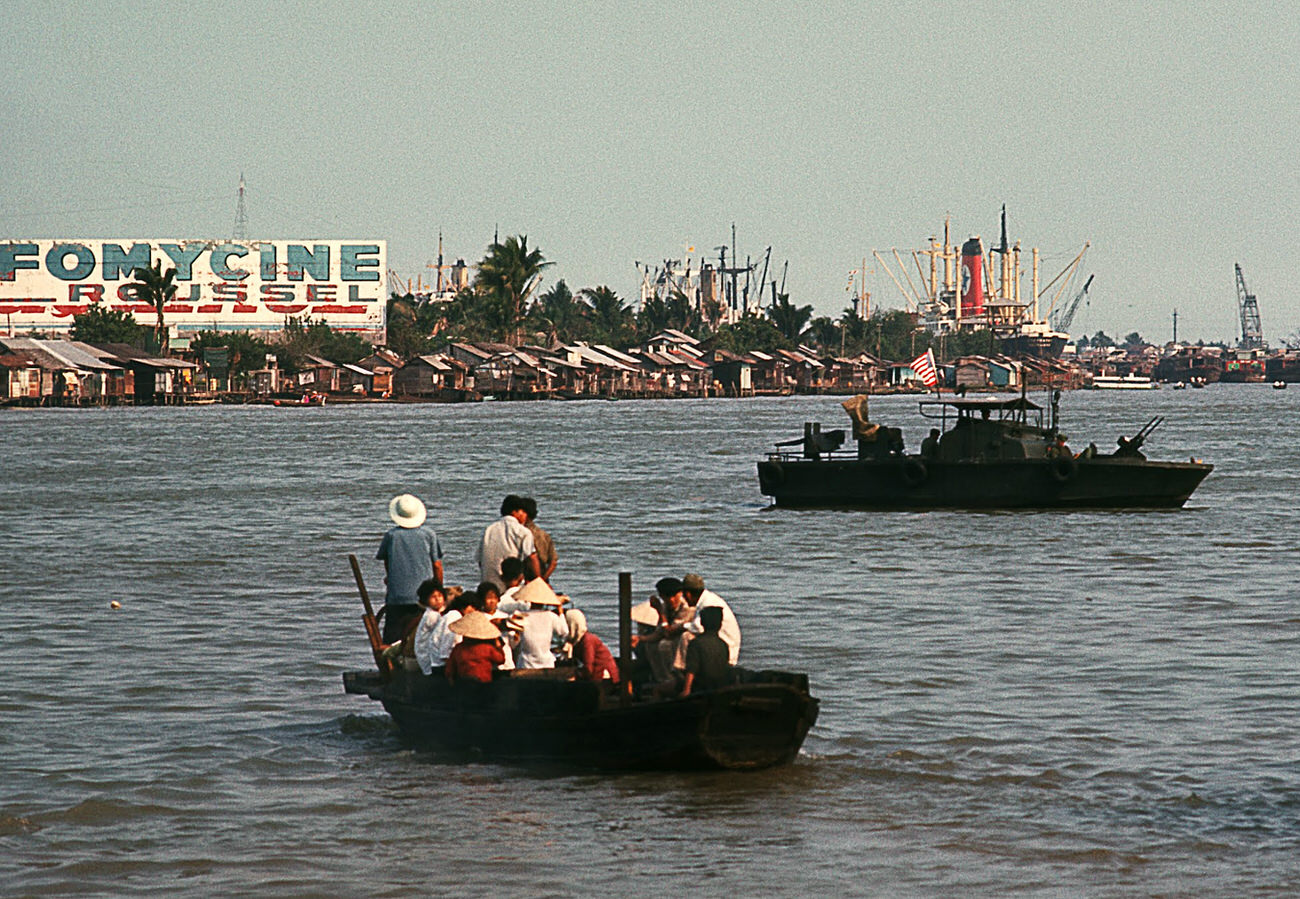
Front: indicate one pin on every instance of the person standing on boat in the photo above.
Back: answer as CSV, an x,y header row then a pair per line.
x,y
546,557
543,629
507,537
698,598
411,555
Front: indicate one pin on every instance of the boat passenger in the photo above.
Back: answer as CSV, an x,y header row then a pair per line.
x,y
489,597
512,575
478,653
419,644
433,651
595,661
706,657
698,598
546,557
411,555
506,538
543,628
661,645
930,445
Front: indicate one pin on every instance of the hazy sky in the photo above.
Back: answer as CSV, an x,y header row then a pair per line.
x,y
1166,134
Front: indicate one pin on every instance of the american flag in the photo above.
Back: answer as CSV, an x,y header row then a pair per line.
x,y
923,365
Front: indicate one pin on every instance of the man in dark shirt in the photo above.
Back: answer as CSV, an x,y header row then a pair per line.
x,y
707,656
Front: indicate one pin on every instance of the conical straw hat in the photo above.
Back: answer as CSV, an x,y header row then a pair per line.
x,y
475,626
540,592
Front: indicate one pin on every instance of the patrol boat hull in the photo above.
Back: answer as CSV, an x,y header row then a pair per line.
x,y
542,717
912,483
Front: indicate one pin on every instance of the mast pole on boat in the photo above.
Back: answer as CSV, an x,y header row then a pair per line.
x,y
625,637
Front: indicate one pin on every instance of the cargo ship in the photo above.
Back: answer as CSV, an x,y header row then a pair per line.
x,y
970,289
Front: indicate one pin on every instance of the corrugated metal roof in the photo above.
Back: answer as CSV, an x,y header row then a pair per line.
x,y
66,352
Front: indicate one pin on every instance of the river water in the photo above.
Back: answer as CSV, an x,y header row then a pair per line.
x,y
1026,704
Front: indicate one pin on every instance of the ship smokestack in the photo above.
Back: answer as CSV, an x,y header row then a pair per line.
x,y
972,277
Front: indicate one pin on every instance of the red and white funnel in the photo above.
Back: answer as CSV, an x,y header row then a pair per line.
x,y
972,277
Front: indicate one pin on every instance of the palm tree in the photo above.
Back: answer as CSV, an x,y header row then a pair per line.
x,y
157,288
611,318
510,273
682,314
789,319
653,317
560,314
825,333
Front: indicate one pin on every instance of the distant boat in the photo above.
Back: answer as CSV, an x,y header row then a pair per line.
x,y
1128,382
1279,385
1180,385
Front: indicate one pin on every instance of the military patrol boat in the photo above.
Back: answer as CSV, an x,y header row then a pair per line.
x,y
989,453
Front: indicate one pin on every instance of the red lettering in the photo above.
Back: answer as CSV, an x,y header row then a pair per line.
x,y
338,309
207,308
279,293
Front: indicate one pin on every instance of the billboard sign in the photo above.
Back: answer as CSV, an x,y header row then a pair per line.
x,y
220,284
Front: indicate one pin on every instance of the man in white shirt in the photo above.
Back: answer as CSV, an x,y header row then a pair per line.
x,y
544,627
697,597
508,537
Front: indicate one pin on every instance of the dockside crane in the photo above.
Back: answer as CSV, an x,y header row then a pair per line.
x,y
1252,333
1065,317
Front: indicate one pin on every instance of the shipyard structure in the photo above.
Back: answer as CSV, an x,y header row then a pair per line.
x,y
968,288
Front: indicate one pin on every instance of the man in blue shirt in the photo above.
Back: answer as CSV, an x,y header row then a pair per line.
x,y
411,554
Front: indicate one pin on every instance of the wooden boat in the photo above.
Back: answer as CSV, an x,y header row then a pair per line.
x,y
992,453
1128,382
547,716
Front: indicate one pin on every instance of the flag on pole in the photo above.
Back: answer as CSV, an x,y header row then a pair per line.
x,y
923,365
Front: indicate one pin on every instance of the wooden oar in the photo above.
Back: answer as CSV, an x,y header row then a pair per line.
x,y
372,625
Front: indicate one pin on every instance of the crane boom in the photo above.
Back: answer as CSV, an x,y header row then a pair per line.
x,y
1252,333
1066,318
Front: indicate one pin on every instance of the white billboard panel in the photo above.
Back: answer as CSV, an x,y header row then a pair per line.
x,y
221,284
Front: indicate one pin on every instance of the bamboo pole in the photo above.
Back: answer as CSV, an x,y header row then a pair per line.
x,y
372,625
625,637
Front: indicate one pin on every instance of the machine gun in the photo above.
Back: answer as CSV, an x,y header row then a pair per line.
x,y
815,441
1133,446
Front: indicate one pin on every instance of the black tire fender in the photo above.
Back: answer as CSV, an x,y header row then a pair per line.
x,y
915,473
1063,468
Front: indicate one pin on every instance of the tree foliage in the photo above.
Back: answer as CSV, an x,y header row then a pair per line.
x,y
788,318
302,337
101,324
246,351
753,332
157,288
612,321
506,278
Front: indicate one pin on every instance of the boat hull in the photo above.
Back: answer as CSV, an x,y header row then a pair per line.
x,y
910,483
759,723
